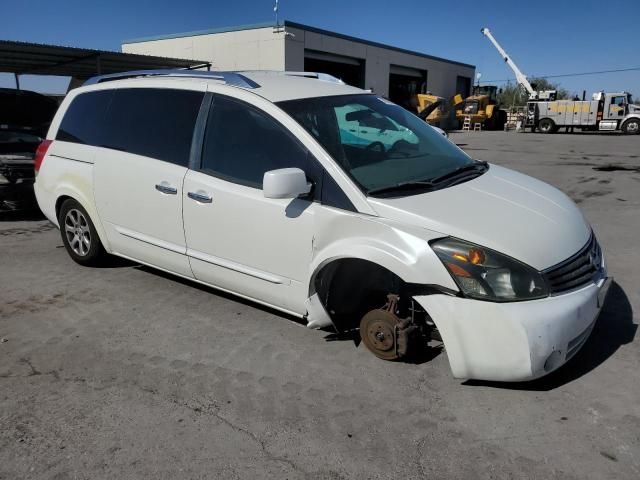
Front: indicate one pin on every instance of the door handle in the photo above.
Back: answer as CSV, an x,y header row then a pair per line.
x,y
166,188
200,196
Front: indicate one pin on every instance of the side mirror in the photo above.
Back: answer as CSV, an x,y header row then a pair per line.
x,y
285,183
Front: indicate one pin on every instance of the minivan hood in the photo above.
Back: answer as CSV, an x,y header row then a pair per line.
x,y
506,211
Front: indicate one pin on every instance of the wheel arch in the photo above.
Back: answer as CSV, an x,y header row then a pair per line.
x,y
628,119
349,286
358,272
63,194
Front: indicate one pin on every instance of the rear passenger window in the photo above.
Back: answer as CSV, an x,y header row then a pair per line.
x,y
83,121
242,143
156,123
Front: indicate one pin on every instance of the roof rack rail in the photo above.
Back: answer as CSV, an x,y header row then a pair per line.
x,y
234,79
317,75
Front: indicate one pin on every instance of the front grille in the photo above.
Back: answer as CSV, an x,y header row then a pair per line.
x,y
576,271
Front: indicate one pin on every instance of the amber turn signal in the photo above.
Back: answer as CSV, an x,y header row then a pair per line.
x,y
477,256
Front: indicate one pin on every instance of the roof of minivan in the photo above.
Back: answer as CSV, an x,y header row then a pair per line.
x,y
275,86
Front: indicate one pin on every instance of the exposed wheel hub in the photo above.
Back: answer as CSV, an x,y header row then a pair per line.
x,y
378,333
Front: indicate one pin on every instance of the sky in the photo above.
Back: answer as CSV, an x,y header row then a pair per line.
x,y
563,38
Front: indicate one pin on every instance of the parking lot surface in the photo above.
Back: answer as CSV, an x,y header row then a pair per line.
x,y
125,372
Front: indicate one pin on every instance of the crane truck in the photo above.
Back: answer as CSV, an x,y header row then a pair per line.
x,y
520,77
604,112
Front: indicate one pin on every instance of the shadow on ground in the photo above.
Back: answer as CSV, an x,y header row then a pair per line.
x,y
30,215
613,329
214,291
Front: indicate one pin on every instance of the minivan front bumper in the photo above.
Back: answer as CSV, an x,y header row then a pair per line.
x,y
514,341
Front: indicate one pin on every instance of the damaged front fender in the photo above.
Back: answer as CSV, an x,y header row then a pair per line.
x,y
402,251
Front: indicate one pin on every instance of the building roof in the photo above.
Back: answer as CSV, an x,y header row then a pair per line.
x,y
42,59
300,26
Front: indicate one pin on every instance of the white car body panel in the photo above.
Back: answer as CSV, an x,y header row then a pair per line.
x,y
271,250
266,253
140,221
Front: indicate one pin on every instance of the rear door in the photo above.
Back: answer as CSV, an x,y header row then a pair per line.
x,y
139,171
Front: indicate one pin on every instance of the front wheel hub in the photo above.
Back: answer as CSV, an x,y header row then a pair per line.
x,y
378,331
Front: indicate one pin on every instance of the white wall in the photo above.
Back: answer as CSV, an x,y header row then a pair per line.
x,y
255,49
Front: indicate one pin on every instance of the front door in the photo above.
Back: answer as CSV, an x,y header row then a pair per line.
x,y
616,109
139,171
237,239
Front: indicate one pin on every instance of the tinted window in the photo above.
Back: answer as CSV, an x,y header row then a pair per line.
x,y
156,123
84,120
242,143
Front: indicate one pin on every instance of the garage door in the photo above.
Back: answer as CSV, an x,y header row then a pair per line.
x,y
404,84
350,70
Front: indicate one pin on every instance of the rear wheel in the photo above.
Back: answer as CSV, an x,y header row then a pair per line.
x,y
546,125
631,126
79,235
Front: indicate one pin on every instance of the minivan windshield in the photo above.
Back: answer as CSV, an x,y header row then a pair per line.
x,y
384,148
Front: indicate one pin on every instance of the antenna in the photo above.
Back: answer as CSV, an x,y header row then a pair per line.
x,y
277,28
275,11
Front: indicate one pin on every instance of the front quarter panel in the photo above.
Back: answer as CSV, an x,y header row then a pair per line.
x,y
403,250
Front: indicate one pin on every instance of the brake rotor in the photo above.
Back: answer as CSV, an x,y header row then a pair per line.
x,y
378,332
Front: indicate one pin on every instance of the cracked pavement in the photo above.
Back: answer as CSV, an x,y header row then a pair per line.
x,y
127,372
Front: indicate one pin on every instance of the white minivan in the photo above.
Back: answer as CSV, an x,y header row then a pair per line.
x,y
329,203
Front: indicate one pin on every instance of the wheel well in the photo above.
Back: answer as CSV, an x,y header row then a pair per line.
x,y
59,203
350,287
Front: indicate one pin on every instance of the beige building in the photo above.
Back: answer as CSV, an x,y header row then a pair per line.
x,y
392,72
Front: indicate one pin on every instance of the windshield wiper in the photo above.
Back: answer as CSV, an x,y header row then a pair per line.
x,y
425,184
477,165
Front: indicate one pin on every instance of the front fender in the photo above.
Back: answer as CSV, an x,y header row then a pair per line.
x,y
403,251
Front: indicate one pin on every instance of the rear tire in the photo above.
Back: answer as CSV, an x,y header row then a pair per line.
x,y
79,235
546,125
631,126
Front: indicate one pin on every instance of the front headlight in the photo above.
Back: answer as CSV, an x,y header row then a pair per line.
x,y
488,275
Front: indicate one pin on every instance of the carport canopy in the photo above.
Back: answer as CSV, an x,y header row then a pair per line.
x,y
80,63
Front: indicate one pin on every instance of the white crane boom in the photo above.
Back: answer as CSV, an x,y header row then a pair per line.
x,y
520,77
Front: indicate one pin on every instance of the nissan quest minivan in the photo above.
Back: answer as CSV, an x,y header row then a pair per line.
x,y
329,203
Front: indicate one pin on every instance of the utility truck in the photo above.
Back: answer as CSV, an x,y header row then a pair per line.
x,y
604,112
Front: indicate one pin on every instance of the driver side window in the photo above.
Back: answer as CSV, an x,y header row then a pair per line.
x,y
242,143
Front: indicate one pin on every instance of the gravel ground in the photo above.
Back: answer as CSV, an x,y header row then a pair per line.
x,y
126,372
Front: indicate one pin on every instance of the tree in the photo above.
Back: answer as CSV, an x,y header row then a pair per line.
x,y
512,95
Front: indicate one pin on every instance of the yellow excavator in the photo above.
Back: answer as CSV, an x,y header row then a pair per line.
x,y
433,109
481,107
